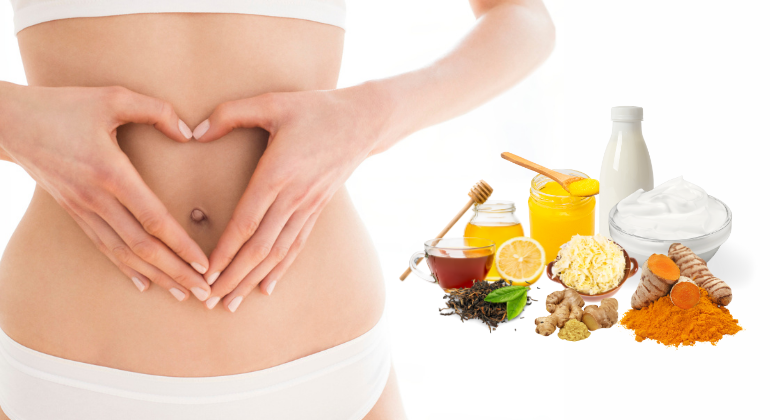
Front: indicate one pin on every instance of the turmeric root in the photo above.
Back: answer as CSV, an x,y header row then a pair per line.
x,y
685,293
563,305
695,268
659,273
603,316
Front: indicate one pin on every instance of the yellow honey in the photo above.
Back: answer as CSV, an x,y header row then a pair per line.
x,y
496,221
553,188
584,187
555,215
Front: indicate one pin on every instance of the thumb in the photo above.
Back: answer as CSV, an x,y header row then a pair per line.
x,y
132,107
258,111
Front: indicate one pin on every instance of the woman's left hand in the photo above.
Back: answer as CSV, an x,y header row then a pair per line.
x,y
317,139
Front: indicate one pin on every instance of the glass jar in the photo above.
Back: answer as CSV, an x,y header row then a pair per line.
x,y
497,221
554,219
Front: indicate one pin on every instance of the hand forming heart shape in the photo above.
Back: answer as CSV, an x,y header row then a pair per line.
x,y
317,139
68,144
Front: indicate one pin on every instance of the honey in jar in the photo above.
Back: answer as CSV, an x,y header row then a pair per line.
x,y
555,215
497,221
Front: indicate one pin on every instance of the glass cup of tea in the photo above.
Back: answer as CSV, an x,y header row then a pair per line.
x,y
455,262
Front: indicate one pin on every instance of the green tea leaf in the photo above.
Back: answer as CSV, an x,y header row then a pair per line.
x,y
505,294
514,307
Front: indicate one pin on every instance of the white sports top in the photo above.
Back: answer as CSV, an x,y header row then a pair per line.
x,y
32,12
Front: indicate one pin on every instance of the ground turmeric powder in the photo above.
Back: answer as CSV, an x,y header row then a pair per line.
x,y
668,324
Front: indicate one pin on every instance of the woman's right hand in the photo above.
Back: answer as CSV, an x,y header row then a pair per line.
x,y
65,138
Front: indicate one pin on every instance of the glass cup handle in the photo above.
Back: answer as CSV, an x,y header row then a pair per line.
x,y
413,261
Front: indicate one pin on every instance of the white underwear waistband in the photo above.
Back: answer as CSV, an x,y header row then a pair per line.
x,y
341,381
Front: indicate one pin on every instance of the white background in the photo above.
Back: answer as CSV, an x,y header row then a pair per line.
x,y
700,70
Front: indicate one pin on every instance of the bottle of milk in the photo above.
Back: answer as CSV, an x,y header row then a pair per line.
x,y
626,166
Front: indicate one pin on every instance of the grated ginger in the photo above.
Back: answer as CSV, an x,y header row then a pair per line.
x,y
590,264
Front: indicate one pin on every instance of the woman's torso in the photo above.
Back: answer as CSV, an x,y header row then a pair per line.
x,y
62,297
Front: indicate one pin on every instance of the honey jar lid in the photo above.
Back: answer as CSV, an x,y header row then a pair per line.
x,y
496,205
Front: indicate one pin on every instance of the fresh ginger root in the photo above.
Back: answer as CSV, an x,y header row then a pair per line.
x,y
563,305
659,273
695,268
685,293
603,316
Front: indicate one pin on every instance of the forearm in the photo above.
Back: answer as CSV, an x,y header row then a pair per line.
x,y
509,40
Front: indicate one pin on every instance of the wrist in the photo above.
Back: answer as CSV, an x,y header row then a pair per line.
x,y
379,101
7,91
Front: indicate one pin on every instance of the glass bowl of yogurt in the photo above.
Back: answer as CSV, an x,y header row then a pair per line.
x,y
646,223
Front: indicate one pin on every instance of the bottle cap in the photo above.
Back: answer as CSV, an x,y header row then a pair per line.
x,y
626,113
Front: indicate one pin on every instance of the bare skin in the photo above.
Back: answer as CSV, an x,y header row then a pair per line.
x,y
66,297
282,201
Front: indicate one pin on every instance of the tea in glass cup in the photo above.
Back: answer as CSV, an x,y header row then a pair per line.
x,y
455,262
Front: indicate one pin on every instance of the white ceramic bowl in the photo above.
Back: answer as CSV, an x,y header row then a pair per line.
x,y
705,246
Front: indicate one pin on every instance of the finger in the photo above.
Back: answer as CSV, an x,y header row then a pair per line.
x,y
279,249
140,281
258,111
132,107
260,248
144,205
153,251
117,250
234,299
247,217
268,284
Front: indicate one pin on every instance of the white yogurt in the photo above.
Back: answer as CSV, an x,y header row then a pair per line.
x,y
676,209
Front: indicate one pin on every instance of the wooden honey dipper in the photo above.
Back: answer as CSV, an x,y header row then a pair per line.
x,y
560,178
478,194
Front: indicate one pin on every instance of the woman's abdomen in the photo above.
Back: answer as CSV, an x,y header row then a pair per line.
x,y
62,297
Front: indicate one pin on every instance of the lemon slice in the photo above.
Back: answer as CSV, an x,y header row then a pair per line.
x,y
520,260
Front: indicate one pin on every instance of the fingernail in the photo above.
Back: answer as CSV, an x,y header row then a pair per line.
x,y
178,294
199,268
212,302
185,130
200,293
201,129
212,278
139,285
270,287
234,303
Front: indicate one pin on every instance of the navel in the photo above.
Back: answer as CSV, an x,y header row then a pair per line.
x,y
198,216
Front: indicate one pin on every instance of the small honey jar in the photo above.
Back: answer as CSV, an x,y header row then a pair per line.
x,y
497,221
